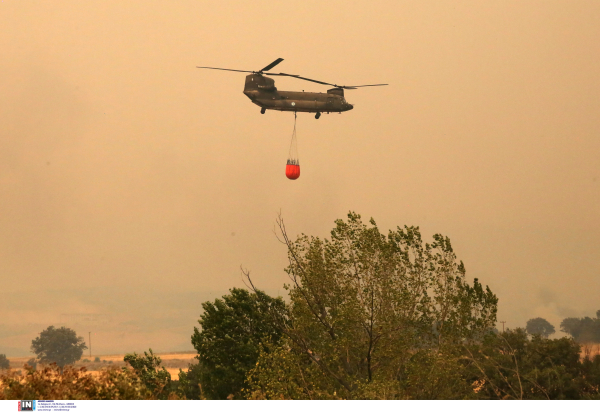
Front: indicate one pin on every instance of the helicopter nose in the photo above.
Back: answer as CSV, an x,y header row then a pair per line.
x,y
350,106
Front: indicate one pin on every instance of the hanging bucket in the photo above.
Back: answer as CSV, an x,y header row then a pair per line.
x,y
292,171
292,168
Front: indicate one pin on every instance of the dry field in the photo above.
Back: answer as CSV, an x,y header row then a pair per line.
x,y
172,361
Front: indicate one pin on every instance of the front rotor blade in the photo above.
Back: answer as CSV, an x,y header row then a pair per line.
x,y
270,66
219,68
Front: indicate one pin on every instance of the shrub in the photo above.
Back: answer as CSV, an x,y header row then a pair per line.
x,y
73,383
154,376
32,362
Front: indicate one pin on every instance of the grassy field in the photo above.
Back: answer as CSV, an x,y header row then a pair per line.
x,y
172,361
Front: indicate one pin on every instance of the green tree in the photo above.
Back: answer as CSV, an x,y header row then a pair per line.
x,y
590,330
154,376
363,303
228,343
511,366
4,363
572,326
539,326
582,329
61,346
591,372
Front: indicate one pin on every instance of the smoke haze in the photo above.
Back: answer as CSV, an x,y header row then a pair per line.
x,y
133,185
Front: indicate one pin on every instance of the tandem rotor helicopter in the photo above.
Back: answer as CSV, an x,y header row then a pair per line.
x,y
262,91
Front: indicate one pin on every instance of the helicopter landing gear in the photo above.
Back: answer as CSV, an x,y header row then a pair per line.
x,y
317,115
263,110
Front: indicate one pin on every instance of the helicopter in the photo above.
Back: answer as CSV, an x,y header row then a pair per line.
x,y
261,91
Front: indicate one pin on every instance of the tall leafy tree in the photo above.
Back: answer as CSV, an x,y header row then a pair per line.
x,y
363,303
572,326
61,346
582,329
228,342
539,326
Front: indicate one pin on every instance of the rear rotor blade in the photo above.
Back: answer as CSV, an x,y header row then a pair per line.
x,y
270,66
300,77
320,82
316,81
366,85
219,68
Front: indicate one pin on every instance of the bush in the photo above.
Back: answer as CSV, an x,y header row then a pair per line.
x,y
155,377
50,383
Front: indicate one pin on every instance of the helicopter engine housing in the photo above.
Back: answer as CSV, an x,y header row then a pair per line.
x,y
338,90
259,82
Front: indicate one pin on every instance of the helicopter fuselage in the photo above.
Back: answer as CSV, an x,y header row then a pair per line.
x,y
261,91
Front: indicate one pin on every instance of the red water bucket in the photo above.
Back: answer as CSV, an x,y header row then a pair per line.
x,y
292,171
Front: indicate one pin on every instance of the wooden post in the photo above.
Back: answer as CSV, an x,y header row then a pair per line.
x,y
502,322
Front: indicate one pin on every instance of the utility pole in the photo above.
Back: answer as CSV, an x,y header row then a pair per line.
x,y
502,322
90,340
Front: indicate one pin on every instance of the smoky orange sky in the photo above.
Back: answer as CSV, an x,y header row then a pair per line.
x,y
133,185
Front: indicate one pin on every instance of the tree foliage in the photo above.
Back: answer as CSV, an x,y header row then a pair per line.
x,y
511,366
285,373
228,343
363,303
539,326
282,372
582,329
4,362
154,376
61,346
